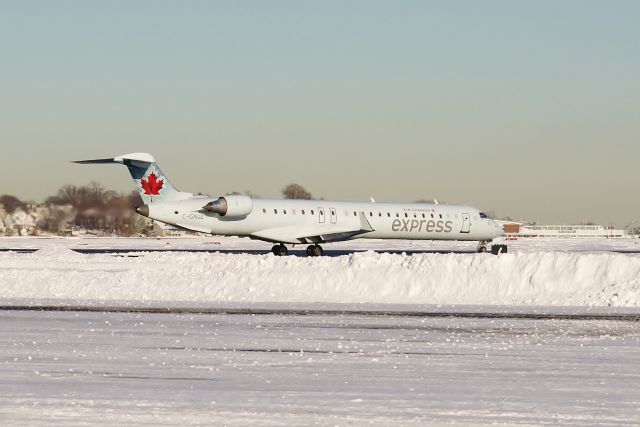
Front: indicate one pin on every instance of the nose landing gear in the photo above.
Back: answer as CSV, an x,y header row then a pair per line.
x,y
498,249
495,249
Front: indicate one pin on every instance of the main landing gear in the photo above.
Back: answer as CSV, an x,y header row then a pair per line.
x,y
312,250
495,249
315,250
280,250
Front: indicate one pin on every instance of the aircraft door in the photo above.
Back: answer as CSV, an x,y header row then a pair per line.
x,y
466,223
334,216
321,215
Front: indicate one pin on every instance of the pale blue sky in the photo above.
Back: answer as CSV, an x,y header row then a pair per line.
x,y
529,109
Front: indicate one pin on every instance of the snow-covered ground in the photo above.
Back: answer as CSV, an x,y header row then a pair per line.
x,y
167,369
533,273
110,368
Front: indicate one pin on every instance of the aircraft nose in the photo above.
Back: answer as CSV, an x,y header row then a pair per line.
x,y
143,210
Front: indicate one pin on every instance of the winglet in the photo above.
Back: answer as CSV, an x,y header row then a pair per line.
x,y
364,223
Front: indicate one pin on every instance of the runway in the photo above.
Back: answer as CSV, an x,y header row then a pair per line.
x,y
132,252
106,368
556,314
292,252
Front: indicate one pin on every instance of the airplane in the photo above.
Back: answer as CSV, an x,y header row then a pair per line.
x,y
312,222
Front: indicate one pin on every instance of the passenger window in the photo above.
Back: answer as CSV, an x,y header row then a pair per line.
x,y
423,216
275,211
311,211
302,211
264,211
415,216
354,213
397,215
432,216
406,215
370,213
440,215
284,211
379,213
388,214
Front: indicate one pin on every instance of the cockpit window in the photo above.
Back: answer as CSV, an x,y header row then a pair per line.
x,y
483,215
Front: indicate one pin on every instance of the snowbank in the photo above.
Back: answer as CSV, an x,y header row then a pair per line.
x,y
534,278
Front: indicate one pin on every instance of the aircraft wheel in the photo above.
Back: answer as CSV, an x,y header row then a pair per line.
x,y
498,249
280,250
482,249
314,250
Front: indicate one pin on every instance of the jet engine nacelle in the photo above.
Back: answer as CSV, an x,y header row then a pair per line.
x,y
230,206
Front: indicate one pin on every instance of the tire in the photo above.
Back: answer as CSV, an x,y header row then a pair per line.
x,y
315,250
280,250
498,249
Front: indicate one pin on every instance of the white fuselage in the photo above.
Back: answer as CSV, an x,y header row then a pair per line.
x,y
315,221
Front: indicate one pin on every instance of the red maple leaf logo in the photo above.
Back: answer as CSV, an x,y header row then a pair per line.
x,y
152,185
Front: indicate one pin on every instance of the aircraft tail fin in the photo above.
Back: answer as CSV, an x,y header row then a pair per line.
x,y
151,183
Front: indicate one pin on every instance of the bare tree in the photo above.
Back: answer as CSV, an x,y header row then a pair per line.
x,y
11,203
99,209
296,191
92,196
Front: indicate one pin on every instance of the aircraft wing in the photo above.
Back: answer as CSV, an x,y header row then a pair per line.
x,y
318,233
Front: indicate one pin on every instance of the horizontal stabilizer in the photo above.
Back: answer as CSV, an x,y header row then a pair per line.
x,y
94,162
125,159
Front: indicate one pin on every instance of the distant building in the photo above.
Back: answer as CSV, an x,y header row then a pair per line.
x,y
515,230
